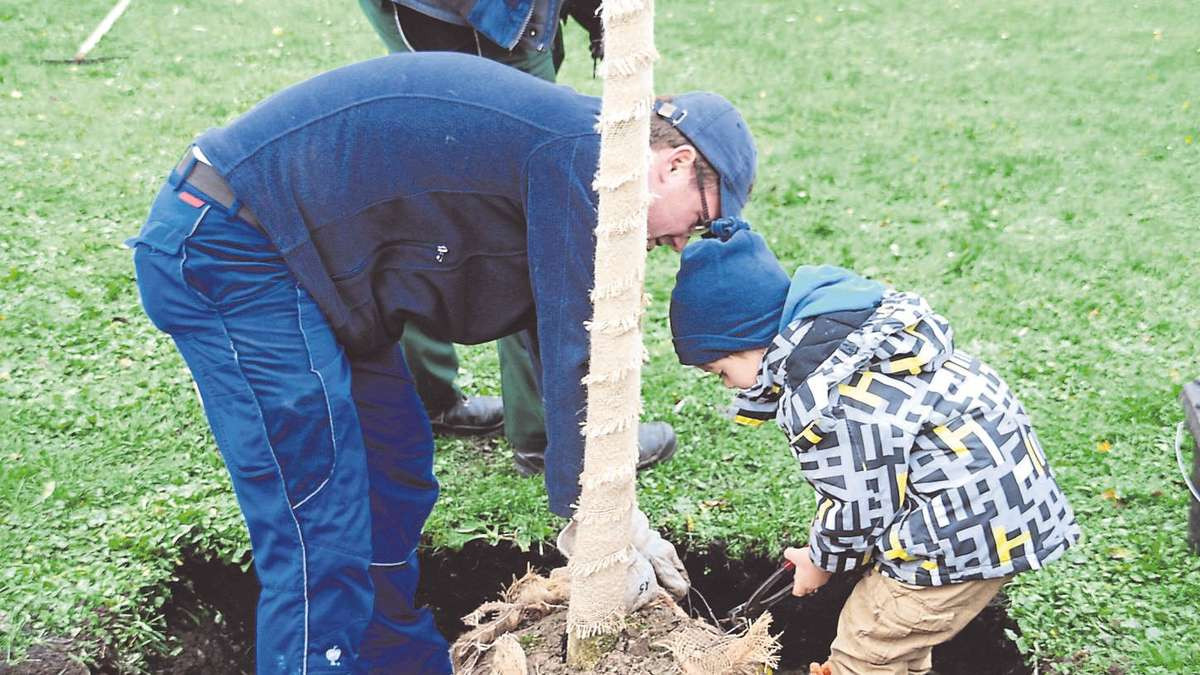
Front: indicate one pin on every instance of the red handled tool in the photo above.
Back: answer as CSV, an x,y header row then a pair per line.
x,y
777,587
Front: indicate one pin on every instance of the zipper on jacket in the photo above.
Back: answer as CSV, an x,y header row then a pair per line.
x,y
421,248
551,11
524,25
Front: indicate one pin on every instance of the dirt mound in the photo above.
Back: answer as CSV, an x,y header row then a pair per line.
x,y
526,632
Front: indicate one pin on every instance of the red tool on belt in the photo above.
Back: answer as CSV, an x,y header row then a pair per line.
x,y
777,587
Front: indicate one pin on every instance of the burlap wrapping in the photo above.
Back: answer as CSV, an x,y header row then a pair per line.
x,y
603,553
508,658
701,649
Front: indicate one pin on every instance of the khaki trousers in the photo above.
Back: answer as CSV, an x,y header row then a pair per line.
x,y
890,628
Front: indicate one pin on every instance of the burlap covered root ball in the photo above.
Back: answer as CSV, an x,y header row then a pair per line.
x,y
524,633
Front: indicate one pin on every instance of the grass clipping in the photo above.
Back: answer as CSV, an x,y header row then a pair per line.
x,y
524,632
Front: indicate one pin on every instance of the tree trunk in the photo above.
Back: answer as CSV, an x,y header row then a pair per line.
x,y
603,551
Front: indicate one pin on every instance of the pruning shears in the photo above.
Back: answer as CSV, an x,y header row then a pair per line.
x,y
777,587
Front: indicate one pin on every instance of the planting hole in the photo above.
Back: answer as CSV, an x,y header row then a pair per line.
x,y
211,613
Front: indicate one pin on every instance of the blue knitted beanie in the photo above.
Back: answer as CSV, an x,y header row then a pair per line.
x,y
728,298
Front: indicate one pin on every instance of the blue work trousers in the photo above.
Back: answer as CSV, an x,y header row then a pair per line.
x,y
331,457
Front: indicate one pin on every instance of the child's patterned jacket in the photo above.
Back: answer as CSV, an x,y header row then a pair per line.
x,y
921,456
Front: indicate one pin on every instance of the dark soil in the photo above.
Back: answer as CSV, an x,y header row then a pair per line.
x,y
455,585
210,617
809,624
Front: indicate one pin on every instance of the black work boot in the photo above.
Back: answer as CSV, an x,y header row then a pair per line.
x,y
656,442
471,416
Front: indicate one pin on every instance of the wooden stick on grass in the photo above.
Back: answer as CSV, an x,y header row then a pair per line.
x,y
107,23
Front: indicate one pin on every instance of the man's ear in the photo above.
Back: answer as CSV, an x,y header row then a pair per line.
x,y
681,158
660,166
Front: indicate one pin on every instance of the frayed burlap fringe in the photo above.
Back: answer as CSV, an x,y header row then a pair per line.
x,y
607,624
701,649
629,65
635,106
610,514
614,288
613,424
634,223
615,182
613,476
617,372
614,375
622,557
615,326
614,10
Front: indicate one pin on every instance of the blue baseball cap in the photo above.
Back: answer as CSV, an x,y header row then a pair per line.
x,y
717,129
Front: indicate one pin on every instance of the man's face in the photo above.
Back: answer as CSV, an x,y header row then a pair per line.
x,y
675,206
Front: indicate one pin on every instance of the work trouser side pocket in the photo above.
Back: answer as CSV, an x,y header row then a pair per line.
x,y
158,266
308,473
230,405
891,621
914,610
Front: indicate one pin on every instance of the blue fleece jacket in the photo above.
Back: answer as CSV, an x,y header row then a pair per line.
x,y
436,186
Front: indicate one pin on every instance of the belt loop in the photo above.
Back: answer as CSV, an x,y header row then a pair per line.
x,y
234,206
177,177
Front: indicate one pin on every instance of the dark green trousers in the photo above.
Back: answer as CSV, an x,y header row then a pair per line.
x,y
434,363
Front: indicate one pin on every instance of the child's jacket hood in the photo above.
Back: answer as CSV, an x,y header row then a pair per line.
x,y
877,339
824,289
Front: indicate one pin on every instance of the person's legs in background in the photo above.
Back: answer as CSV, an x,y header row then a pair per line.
x,y
524,416
433,362
434,370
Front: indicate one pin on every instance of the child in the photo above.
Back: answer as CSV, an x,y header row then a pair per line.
x,y
925,465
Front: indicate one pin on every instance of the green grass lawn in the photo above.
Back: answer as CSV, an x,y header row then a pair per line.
x,y
1030,167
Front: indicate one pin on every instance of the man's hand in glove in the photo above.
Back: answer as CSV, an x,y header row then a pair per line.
x,y
655,562
661,554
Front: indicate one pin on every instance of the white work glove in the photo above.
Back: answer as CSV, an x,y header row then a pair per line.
x,y
655,562
667,566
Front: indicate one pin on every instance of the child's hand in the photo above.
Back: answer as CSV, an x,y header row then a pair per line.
x,y
809,577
